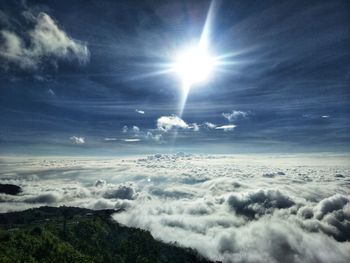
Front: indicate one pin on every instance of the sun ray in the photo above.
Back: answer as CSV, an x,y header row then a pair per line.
x,y
151,74
199,59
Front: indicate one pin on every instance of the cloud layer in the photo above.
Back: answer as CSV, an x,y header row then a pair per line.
x,y
229,208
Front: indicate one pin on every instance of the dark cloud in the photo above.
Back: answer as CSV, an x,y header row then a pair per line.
x,y
49,198
121,192
170,193
255,204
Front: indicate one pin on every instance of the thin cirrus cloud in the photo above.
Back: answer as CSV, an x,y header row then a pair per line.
x,y
132,140
109,139
229,127
47,42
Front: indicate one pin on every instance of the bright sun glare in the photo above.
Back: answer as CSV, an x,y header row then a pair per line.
x,y
194,66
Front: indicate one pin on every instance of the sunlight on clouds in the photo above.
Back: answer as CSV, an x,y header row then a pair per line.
x,y
166,123
226,127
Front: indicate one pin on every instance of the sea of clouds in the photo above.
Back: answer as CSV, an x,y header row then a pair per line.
x,y
234,208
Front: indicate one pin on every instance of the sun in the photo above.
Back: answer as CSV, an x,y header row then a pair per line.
x,y
194,66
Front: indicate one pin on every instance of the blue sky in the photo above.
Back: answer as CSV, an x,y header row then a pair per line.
x,y
76,77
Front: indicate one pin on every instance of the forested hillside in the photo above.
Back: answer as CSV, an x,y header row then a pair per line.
x,y
68,234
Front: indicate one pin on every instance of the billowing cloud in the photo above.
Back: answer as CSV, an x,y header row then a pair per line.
x,y
121,192
77,140
234,115
226,127
166,123
46,41
330,205
259,202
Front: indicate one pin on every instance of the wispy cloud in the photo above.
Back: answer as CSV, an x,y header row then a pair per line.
x,y
125,129
226,127
132,140
110,139
234,115
140,111
51,92
153,137
194,126
210,125
77,140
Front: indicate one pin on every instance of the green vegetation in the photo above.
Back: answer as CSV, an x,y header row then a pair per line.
x,y
68,234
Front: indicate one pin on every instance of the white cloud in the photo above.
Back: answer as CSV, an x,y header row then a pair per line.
x,y
154,137
235,114
110,139
77,140
194,126
166,123
131,140
46,41
325,116
135,129
210,125
140,111
226,127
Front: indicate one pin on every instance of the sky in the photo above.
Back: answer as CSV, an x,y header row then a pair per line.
x,y
88,78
